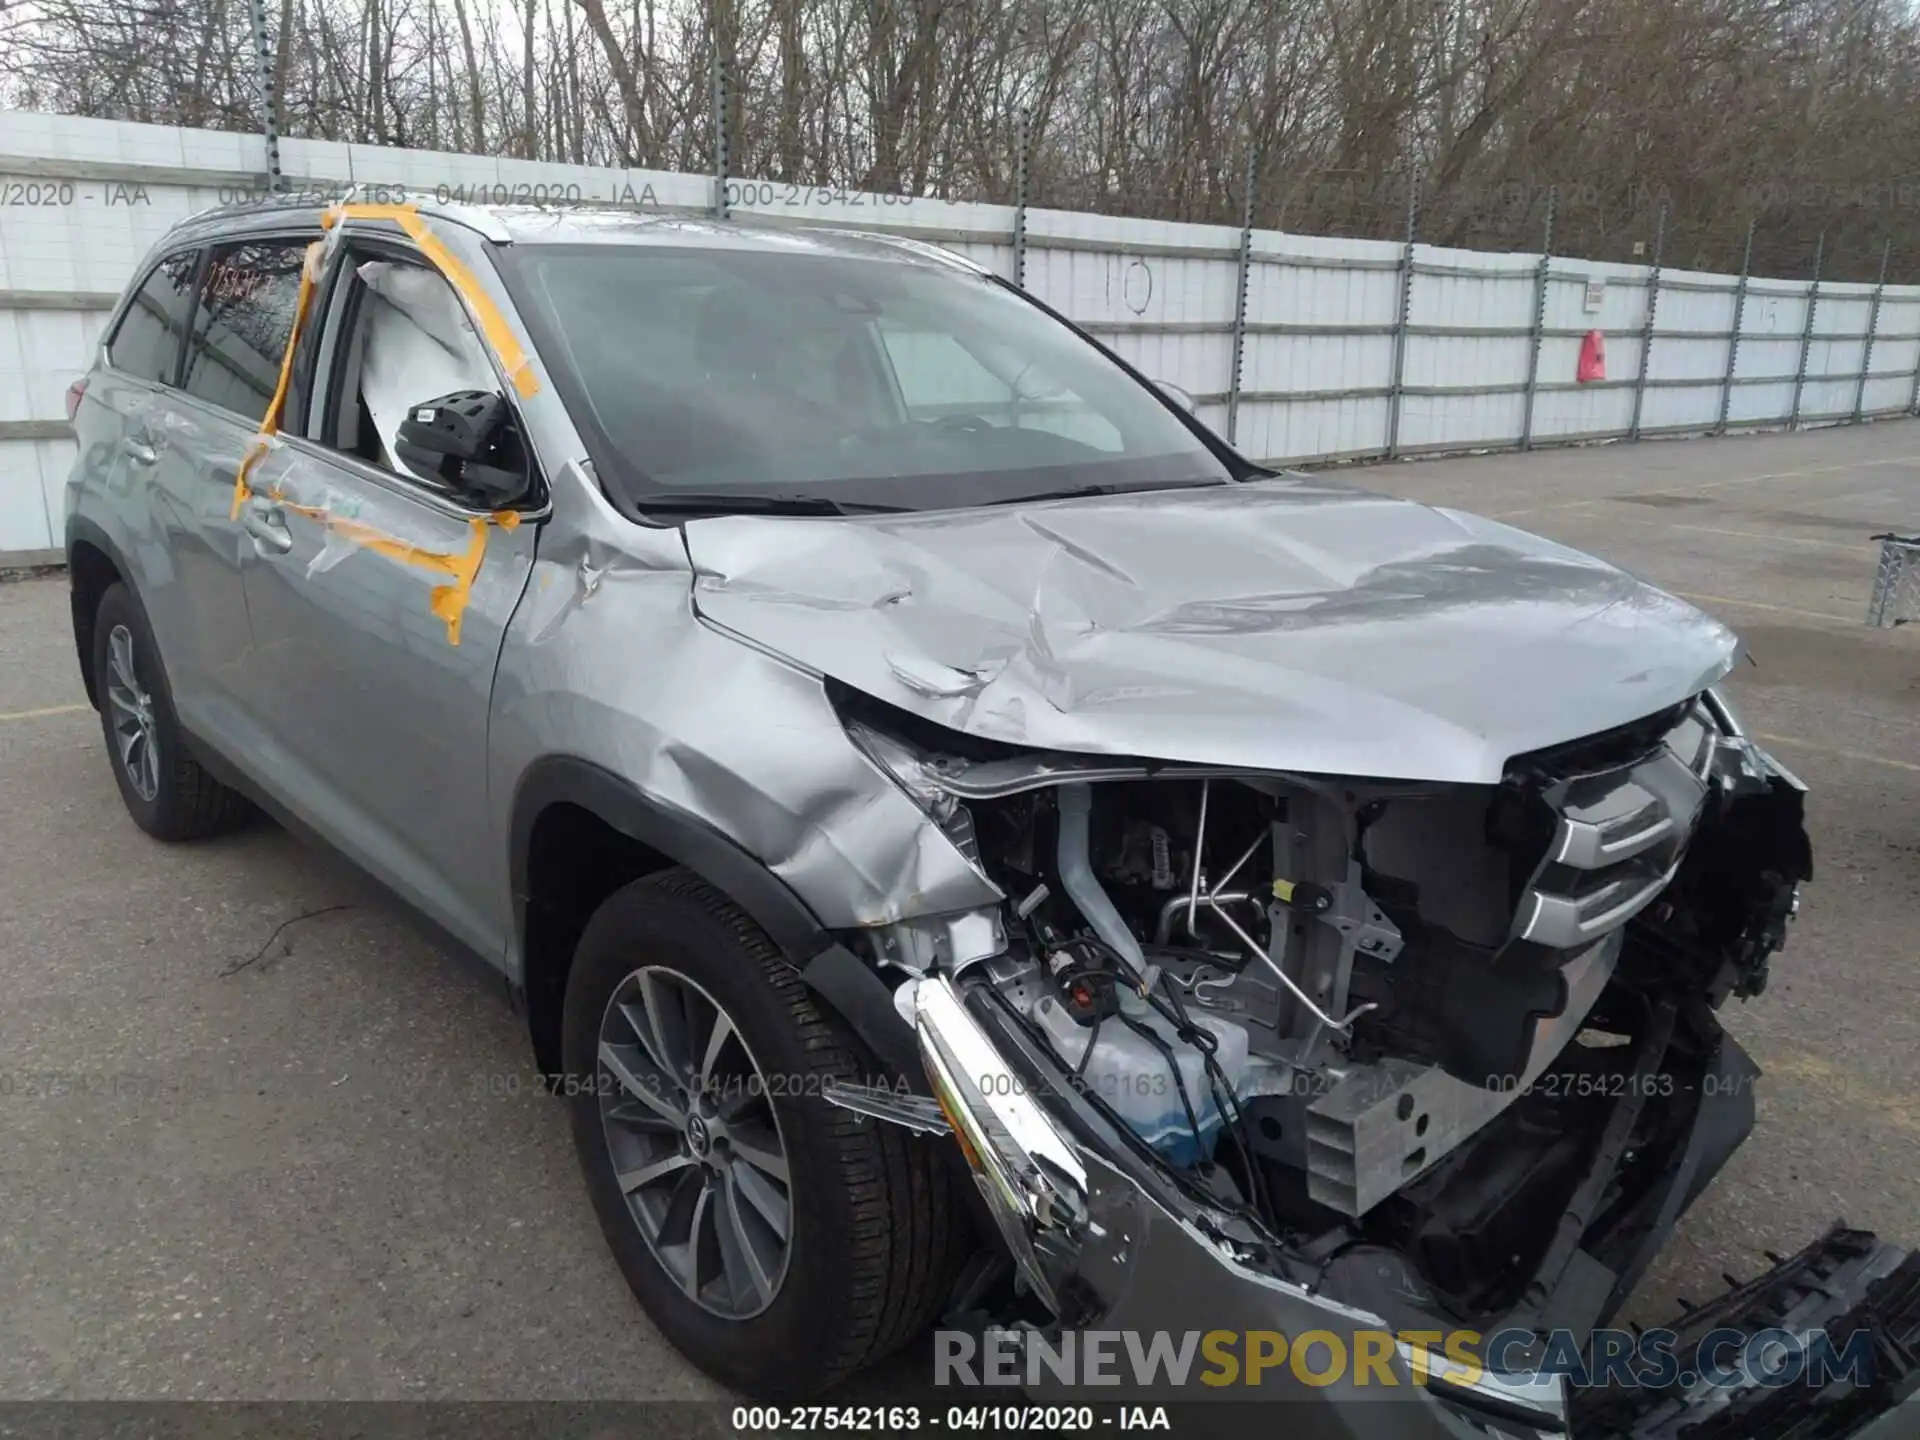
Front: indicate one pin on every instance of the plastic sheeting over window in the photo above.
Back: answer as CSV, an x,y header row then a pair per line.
x,y
416,344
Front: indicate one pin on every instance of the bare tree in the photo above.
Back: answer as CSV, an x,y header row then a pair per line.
x,y
1796,112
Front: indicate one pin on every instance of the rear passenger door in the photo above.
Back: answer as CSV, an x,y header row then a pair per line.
x,y
235,342
172,531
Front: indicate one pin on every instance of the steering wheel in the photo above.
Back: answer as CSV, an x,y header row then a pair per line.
x,y
967,424
957,424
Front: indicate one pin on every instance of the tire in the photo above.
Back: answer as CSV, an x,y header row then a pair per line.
x,y
876,1227
167,792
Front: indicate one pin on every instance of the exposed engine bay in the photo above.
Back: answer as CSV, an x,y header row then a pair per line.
x,y
1450,1038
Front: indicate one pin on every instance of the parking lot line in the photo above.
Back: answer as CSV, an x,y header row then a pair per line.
x,y
1808,745
1801,474
1843,1084
39,714
1847,545
1708,485
1826,615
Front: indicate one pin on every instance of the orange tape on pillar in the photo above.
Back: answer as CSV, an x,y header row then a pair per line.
x,y
493,324
449,601
270,422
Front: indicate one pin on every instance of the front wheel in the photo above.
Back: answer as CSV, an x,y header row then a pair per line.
x,y
779,1242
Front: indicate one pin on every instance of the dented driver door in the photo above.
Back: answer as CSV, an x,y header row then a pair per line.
x,y
378,603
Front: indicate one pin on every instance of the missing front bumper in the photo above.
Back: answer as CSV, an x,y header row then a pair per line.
x,y
1136,1272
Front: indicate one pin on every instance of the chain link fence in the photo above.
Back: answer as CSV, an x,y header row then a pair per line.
x,y
1896,582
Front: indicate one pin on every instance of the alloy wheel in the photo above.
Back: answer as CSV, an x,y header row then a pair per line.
x,y
133,721
695,1144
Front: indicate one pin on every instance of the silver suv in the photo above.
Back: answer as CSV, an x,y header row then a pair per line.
x,y
858,713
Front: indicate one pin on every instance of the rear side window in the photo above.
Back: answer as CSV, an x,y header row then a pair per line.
x,y
148,341
240,329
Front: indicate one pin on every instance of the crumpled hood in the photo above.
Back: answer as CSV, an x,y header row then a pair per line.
x,y
1291,624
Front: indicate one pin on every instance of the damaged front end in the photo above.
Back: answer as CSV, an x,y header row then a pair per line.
x,y
1262,1050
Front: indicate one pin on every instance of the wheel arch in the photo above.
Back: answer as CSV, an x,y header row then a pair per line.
x,y
578,831
94,565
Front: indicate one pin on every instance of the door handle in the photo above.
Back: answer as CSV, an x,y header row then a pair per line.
x,y
139,449
267,524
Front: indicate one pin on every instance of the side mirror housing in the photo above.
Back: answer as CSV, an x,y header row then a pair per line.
x,y
467,441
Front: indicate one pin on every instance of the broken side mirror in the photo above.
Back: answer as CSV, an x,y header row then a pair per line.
x,y
468,441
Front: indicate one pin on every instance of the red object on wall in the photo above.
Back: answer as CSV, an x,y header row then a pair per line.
x,y
1593,358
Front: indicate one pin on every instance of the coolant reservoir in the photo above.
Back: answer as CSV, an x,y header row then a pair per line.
x,y
1131,1075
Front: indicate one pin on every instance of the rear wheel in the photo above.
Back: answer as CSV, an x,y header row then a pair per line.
x,y
778,1241
168,793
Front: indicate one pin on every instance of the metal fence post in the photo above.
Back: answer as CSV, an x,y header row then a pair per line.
x,y
1240,305
1020,138
1653,313
1806,333
1539,320
269,102
1873,326
1913,399
1733,340
719,102
1397,383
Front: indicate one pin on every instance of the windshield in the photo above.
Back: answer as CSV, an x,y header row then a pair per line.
x,y
807,380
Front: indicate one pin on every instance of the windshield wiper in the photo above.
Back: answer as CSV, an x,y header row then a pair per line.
x,y
1122,487
749,502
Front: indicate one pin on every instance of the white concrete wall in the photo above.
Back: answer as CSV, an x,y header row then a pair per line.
x,y
83,200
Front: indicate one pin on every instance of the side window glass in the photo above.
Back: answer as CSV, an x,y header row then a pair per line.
x,y
240,329
408,341
148,340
